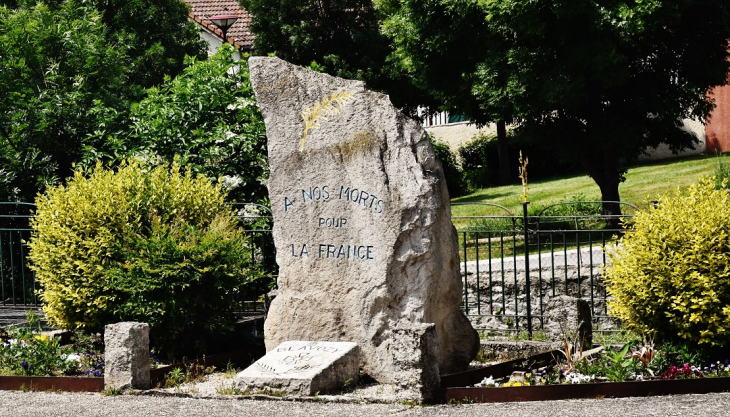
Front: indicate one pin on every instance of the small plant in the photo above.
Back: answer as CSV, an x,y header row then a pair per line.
x,y
25,351
348,386
231,390
112,392
487,382
619,366
523,177
174,378
230,371
722,172
154,360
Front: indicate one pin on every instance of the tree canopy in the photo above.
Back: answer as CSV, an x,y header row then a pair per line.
x,y
69,73
207,118
57,63
600,80
339,37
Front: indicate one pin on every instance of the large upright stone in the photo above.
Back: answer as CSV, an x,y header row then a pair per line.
x,y
365,245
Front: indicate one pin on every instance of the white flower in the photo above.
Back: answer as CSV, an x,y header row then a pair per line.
x,y
72,357
230,182
487,382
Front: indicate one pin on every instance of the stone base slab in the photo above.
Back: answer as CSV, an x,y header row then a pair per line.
x,y
303,368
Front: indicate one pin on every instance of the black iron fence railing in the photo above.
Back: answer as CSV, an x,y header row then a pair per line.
x,y
17,282
513,264
18,286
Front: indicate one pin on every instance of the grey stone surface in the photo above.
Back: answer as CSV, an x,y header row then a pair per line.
x,y
571,315
303,368
127,355
362,227
506,350
422,379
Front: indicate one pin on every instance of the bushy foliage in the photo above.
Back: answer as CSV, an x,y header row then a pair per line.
x,y
58,61
69,73
670,274
480,159
152,245
207,118
450,165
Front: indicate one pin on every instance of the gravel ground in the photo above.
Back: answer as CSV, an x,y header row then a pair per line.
x,y
18,404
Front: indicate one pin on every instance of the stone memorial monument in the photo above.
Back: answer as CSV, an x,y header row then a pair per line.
x,y
365,245
304,368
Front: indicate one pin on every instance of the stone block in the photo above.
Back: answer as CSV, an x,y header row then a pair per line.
x,y
569,315
127,356
303,368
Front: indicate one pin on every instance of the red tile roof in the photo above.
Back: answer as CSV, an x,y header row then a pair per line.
x,y
239,34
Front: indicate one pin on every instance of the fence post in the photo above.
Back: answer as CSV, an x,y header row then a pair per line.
x,y
527,268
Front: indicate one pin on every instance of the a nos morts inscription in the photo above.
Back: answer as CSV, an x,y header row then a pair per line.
x,y
329,250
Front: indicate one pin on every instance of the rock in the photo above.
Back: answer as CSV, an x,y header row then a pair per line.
x,y
362,228
420,378
569,315
127,356
303,368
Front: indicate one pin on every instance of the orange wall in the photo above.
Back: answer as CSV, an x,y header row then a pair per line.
x,y
717,130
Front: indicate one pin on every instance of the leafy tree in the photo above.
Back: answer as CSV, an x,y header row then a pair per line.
x,y
57,62
206,118
599,79
161,35
342,38
69,71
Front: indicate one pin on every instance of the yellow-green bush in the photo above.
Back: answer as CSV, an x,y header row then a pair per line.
x,y
158,246
671,274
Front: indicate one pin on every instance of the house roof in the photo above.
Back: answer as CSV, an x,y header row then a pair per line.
x,y
239,34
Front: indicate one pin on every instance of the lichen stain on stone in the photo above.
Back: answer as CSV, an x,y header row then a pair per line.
x,y
357,144
286,87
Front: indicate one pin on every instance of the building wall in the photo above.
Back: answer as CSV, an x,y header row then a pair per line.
x,y
459,134
718,127
214,42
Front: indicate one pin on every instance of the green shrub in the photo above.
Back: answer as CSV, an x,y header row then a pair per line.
x,y
670,275
157,246
450,165
722,172
479,161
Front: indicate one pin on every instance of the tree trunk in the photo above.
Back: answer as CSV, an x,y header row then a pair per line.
x,y
605,171
504,171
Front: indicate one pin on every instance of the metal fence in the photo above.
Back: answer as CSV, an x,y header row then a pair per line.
x,y
513,264
18,286
17,281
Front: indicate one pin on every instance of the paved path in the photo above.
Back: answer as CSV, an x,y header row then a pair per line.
x,y
20,404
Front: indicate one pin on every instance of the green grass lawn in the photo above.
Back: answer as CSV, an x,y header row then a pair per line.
x,y
643,183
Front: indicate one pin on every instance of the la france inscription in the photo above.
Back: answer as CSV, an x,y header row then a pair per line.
x,y
323,194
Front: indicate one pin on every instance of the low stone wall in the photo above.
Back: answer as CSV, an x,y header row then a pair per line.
x,y
498,350
496,296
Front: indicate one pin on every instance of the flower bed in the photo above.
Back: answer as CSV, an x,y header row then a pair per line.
x,y
601,372
25,351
